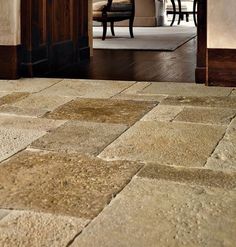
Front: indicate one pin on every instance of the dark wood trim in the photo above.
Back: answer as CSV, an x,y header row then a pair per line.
x,y
9,61
201,74
222,67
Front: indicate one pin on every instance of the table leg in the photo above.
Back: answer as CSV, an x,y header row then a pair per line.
x,y
174,12
195,12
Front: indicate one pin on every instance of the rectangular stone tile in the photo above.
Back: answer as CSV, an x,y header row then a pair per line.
x,y
219,102
27,84
80,137
59,183
41,102
163,213
27,123
221,116
12,98
15,140
175,144
23,112
185,89
163,113
193,176
3,213
88,88
25,228
102,110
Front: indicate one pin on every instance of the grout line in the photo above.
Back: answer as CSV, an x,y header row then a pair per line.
x,y
123,90
60,80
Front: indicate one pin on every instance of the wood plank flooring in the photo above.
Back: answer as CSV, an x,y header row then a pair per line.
x,y
177,66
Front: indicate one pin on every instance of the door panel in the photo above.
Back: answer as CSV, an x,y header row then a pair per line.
x,y
52,36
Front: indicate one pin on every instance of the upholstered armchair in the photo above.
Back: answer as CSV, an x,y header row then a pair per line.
x,y
111,11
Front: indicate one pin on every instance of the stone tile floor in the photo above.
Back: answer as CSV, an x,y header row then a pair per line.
x,y
111,163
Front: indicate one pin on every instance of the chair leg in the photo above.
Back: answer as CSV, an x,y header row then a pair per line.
x,y
174,12
195,12
131,24
112,29
104,24
180,12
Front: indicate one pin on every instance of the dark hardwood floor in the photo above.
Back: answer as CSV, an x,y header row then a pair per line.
x,y
177,66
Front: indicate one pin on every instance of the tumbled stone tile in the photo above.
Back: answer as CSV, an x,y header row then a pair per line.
x,y
163,113
195,176
17,111
3,213
12,98
163,213
83,137
25,228
102,110
206,115
74,185
27,123
224,157
15,140
88,88
219,102
166,143
185,89
39,101
27,84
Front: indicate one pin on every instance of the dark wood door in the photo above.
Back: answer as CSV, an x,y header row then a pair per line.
x,y
54,35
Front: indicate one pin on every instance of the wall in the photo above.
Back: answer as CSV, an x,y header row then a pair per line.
x,y
9,22
221,24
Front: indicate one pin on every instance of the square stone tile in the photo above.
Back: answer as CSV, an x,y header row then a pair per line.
x,y
193,176
15,140
25,228
59,183
163,113
220,116
163,213
12,98
27,84
219,102
88,88
80,137
3,213
174,144
103,110
41,102
185,89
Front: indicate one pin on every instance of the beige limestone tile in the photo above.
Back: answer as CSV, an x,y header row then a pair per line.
x,y
27,84
140,97
219,102
59,183
24,112
3,94
15,140
166,143
80,137
163,213
88,88
185,89
3,213
41,102
102,110
136,88
222,116
12,98
163,113
193,176
27,123
25,228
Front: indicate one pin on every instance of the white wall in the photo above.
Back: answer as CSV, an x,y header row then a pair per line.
x,y
222,24
9,22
